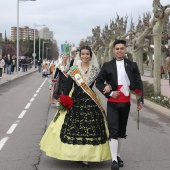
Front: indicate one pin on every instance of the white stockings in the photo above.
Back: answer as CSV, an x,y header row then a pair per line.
x,y
115,147
113,143
120,143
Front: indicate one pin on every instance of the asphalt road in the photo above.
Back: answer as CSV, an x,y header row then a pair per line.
x,y
25,113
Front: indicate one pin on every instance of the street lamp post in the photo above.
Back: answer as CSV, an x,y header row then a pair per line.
x,y
47,52
39,48
34,54
43,50
18,31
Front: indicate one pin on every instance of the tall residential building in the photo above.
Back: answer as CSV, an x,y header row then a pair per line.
x,y
46,34
25,33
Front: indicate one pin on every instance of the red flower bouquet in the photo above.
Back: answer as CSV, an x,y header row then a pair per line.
x,y
53,80
138,94
65,103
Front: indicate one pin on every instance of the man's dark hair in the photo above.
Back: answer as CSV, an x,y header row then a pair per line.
x,y
119,42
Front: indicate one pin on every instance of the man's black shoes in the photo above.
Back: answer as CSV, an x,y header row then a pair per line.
x,y
114,166
120,162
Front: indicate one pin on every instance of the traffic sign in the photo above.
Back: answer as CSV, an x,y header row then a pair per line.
x,y
34,54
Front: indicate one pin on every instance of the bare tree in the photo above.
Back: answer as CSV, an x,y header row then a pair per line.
x,y
118,31
143,28
160,13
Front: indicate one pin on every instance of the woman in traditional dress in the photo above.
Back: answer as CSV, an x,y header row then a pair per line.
x,y
80,134
45,68
52,66
60,75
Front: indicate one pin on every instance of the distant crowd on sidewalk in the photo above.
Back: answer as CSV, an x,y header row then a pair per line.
x,y
8,64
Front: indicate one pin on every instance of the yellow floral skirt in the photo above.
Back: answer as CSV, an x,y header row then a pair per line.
x,y
54,147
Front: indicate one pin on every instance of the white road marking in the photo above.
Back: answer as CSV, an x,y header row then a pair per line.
x,y
32,100
3,141
12,128
28,105
22,114
35,95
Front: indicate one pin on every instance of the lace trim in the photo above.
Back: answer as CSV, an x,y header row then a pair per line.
x,y
84,122
88,77
66,67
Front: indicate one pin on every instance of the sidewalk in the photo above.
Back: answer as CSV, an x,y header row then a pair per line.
x,y
9,77
165,91
165,87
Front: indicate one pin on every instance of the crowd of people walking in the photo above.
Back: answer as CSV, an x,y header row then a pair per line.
x,y
8,64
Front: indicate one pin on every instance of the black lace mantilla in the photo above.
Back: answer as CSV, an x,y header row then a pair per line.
x,y
84,123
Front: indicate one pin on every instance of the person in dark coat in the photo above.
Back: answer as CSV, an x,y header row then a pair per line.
x,y
121,76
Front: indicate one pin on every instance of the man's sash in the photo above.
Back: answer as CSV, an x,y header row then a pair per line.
x,y
82,84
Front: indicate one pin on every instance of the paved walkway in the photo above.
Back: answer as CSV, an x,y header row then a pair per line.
x,y
9,77
165,87
165,90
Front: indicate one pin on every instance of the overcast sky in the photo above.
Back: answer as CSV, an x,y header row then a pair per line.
x,y
70,20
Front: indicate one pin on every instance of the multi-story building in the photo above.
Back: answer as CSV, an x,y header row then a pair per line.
x,y
25,33
46,34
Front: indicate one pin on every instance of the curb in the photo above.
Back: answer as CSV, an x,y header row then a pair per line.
x,y
17,76
153,106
